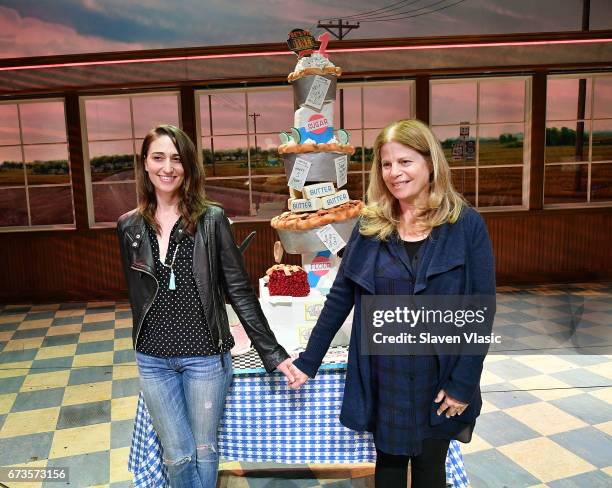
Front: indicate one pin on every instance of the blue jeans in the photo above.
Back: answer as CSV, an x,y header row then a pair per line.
x,y
185,397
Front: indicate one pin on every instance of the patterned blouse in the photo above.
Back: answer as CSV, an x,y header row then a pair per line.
x,y
175,325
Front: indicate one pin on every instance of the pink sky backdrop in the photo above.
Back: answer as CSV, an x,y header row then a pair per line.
x,y
109,118
28,36
10,153
46,152
9,124
38,28
561,98
110,147
501,101
562,94
603,98
452,103
41,123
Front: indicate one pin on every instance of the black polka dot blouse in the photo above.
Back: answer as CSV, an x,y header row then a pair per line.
x,y
175,325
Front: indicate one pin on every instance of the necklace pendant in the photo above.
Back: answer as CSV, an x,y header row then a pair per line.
x,y
172,284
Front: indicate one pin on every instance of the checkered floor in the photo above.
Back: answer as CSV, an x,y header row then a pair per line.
x,y
68,390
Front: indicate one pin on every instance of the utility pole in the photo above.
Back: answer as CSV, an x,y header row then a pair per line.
x,y
254,115
343,28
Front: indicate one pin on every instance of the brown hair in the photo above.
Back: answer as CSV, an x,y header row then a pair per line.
x,y
444,204
192,196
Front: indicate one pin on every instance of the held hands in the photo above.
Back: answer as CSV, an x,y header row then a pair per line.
x,y
295,378
449,405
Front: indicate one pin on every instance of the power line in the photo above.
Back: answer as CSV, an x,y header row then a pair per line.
x,y
416,15
344,27
388,8
383,15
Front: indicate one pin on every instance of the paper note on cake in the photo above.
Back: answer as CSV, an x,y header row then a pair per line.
x,y
318,190
317,92
304,332
312,311
304,205
336,199
299,173
341,170
330,238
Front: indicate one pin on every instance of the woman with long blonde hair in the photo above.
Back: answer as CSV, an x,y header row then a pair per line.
x,y
416,236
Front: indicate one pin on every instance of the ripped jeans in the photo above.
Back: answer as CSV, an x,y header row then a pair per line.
x,y
185,397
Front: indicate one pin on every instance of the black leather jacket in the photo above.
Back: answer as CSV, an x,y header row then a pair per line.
x,y
219,272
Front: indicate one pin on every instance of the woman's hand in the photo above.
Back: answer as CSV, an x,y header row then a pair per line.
x,y
300,377
295,377
286,368
449,405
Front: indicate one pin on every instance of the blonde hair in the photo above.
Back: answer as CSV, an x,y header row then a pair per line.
x,y
380,216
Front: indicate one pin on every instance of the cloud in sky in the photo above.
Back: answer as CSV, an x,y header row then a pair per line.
x,y
29,36
38,27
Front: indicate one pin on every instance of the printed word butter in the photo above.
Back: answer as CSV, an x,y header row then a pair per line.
x,y
304,205
336,199
318,190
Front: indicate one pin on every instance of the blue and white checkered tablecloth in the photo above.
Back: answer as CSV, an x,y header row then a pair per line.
x,y
265,421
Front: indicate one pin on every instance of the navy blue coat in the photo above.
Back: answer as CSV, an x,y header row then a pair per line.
x,y
457,259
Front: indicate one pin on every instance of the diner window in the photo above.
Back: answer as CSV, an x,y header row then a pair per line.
x,y
113,130
35,178
578,157
483,127
239,140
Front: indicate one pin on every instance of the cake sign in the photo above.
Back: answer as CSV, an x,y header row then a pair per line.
x,y
304,205
299,173
301,42
319,265
341,170
317,124
317,92
318,190
304,334
335,199
330,238
312,311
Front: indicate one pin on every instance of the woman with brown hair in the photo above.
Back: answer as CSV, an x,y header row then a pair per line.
x,y
180,263
416,236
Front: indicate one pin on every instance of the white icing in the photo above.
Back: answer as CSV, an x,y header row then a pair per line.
x,y
315,60
309,141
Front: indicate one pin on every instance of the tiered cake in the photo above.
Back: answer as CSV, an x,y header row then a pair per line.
x,y
315,156
320,215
